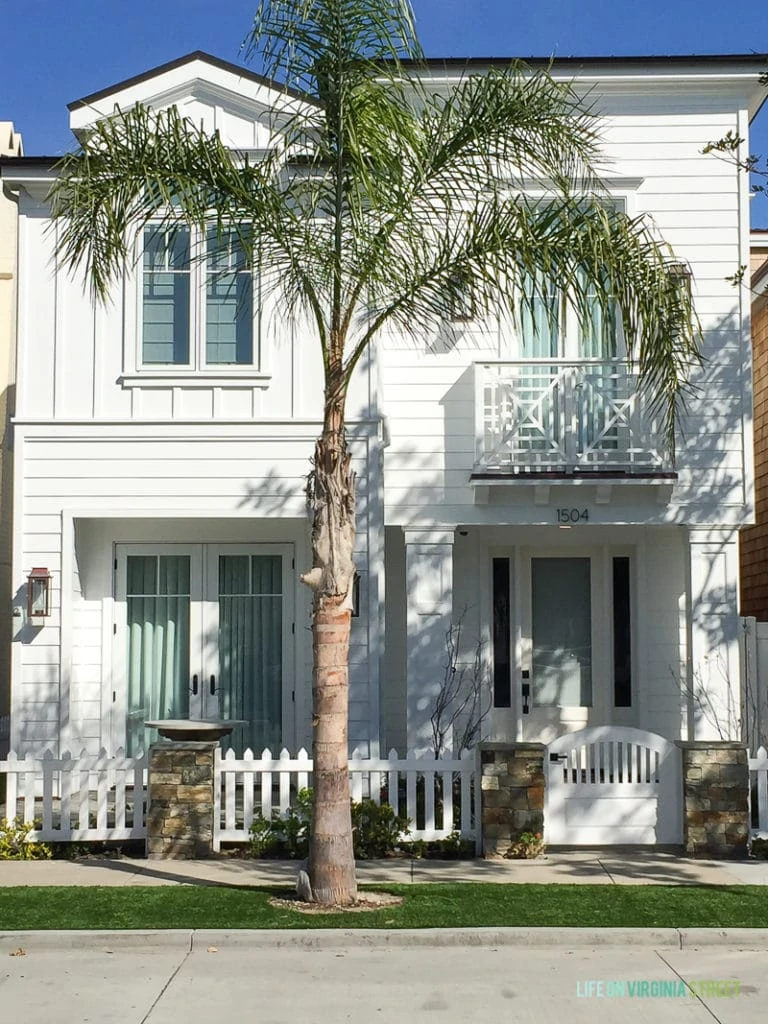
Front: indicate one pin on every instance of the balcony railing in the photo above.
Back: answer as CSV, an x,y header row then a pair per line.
x,y
563,416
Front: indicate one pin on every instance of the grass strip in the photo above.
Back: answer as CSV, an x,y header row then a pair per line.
x,y
436,905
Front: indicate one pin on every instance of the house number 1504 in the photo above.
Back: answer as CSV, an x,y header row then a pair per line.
x,y
573,515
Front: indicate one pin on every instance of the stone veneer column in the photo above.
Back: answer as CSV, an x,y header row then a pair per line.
x,y
512,793
715,798
180,811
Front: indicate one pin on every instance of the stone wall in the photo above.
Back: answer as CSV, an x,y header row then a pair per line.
x,y
180,812
715,795
512,784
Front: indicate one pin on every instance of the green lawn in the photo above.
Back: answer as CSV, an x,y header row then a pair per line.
x,y
424,906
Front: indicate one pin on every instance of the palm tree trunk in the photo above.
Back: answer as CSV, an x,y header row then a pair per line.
x,y
331,492
331,860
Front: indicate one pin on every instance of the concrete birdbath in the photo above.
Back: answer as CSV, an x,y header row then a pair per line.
x,y
194,730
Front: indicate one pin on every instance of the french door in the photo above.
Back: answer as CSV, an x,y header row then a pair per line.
x,y
569,379
204,631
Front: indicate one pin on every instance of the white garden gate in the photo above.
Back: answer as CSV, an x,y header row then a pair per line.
x,y
610,786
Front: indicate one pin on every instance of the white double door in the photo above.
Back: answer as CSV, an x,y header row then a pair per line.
x,y
204,631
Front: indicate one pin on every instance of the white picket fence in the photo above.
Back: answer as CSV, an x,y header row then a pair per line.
x,y
102,798
758,777
439,796
77,799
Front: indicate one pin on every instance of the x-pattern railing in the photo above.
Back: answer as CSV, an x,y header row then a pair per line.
x,y
554,414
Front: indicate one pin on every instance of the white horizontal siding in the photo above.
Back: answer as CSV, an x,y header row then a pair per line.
x,y
257,483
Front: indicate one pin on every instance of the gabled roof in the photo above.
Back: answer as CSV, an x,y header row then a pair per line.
x,y
197,55
197,74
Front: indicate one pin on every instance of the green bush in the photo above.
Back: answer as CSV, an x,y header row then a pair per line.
x,y
14,844
284,837
453,847
376,830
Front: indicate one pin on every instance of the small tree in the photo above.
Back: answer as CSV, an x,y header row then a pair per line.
x,y
383,201
464,698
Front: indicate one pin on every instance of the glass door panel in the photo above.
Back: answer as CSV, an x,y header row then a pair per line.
x,y
561,632
205,632
250,648
158,605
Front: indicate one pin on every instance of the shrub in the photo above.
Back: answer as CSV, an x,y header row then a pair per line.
x,y
284,837
453,847
14,844
527,846
376,830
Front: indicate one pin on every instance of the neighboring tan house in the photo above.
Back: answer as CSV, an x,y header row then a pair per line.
x,y
512,479
10,145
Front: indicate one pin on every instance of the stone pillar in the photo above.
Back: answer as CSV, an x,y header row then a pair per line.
x,y
712,688
715,798
180,811
429,582
512,793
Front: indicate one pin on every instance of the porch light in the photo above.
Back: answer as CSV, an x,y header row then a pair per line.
x,y
681,275
38,594
356,596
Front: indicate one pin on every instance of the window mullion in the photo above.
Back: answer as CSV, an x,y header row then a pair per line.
x,y
199,271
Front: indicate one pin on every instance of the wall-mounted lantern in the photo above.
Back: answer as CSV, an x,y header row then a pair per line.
x,y
38,594
681,275
356,596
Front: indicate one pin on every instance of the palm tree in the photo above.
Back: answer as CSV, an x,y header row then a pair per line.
x,y
384,201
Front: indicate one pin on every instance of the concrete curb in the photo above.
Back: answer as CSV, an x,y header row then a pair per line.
x,y
373,938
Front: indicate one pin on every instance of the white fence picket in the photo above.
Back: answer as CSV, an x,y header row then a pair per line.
x,y
255,787
302,778
284,783
90,798
758,774
49,786
266,786
229,791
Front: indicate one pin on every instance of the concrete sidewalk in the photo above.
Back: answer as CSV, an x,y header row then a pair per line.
x,y
580,867
352,982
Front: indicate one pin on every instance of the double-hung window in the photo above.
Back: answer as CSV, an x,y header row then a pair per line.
x,y
197,300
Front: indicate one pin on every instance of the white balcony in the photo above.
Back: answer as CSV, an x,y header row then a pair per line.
x,y
564,417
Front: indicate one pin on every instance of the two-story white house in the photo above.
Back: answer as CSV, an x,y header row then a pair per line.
x,y
509,477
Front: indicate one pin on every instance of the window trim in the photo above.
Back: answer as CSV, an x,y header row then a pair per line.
x,y
197,372
621,195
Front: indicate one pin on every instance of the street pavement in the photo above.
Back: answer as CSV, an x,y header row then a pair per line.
x,y
349,982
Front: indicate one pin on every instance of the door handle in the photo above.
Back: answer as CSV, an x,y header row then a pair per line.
x,y
213,685
194,686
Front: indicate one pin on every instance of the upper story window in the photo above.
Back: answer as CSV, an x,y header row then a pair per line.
x,y
197,301
550,327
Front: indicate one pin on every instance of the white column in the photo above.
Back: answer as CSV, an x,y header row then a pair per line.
x,y
713,686
429,584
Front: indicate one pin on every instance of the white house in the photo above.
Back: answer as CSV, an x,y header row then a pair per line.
x,y
508,479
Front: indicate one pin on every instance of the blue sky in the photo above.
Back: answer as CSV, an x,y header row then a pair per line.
x,y
54,52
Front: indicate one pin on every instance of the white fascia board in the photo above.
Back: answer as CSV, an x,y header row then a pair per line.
x,y
740,82
34,179
179,83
